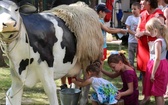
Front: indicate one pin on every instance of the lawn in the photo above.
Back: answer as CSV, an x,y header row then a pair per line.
x,y
36,95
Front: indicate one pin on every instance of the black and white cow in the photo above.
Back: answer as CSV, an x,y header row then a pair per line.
x,y
40,48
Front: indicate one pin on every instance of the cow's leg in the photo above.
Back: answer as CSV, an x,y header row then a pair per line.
x,y
49,85
50,89
85,92
14,94
84,97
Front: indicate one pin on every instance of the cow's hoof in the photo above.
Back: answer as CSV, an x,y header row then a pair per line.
x,y
64,86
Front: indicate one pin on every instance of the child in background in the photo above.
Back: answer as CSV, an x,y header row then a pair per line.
x,y
131,25
164,3
156,77
129,92
105,92
101,11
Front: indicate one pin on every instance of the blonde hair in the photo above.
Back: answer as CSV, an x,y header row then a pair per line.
x,y
155,23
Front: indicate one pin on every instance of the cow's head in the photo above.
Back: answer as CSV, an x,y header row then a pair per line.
x,y
10,20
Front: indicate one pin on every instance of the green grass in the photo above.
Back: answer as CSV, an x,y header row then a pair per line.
x,y
37,96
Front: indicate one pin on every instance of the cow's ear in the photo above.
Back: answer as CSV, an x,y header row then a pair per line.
x,y
27,8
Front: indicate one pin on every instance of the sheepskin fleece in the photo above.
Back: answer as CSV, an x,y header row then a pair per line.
x,y
84,22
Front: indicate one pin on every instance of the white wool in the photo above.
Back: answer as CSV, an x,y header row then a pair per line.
x,y
83,21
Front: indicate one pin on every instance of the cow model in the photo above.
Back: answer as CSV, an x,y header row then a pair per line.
x,y
42,47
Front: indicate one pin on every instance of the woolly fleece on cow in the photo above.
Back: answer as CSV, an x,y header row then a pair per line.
x,y
79,16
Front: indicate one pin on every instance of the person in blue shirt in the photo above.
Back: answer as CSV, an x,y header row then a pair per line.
x,y
102,10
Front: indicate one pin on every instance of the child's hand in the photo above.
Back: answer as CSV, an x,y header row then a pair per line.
x,y
123,31
118,96
152,77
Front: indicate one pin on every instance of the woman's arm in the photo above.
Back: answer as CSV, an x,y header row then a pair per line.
x,y
82,84
127,92
110,74
138,32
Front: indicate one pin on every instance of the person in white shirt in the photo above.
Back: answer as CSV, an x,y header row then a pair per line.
x,y
131,25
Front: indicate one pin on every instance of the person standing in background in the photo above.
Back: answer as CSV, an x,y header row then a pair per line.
x,y
151,10
101,11
162,4
156,77
131,25
164,7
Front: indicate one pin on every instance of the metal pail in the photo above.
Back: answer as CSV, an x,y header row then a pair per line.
x,y
69,96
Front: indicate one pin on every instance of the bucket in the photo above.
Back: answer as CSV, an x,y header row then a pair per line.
x,y
69,96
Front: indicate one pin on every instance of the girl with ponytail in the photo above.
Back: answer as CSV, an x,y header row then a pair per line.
x,y
121,67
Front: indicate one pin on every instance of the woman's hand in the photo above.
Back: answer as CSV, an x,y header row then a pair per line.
x,y
139,34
